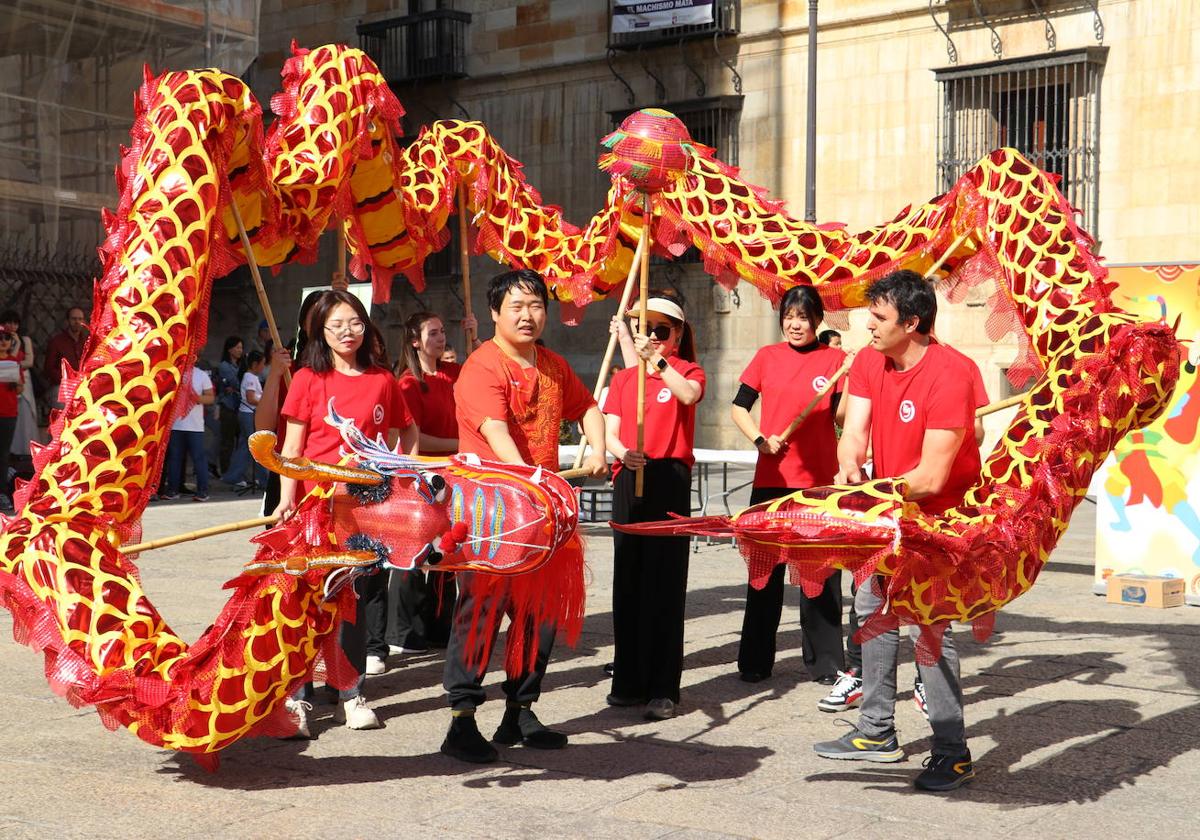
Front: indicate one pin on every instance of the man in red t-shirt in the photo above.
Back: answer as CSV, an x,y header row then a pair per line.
x,y
510,399
914,400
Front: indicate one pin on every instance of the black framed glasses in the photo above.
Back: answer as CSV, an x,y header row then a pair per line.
x,y
661,332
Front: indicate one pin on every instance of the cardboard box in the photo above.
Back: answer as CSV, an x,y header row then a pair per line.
x,y
1146,591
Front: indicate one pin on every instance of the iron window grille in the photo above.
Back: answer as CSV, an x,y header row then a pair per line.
x,y
727,20
418,47
1047,108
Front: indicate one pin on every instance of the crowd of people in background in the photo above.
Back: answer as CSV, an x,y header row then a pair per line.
x,y
906,410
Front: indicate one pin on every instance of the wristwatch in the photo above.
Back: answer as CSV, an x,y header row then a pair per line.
x,y
759,441
661,364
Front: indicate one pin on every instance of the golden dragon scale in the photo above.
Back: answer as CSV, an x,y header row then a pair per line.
x,y
197,144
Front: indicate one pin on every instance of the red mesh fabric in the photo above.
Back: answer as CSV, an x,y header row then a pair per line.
x,y
553,593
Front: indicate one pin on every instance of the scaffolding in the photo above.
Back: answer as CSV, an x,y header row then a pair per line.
x,y
68,73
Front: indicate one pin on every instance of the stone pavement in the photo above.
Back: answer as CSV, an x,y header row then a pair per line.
x,y
1083,719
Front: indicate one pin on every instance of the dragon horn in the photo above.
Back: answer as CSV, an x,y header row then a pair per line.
x,y
262,447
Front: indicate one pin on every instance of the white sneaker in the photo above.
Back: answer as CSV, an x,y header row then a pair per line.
x,y
356,714
375,666
300,709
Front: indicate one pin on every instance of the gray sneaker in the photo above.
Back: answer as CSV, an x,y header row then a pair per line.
x,y
855,746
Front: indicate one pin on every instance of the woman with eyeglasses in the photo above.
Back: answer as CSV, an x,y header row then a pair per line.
x,y
786,376
11,385
343,368
650,573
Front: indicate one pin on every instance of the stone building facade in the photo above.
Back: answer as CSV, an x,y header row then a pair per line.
x,y
1108,92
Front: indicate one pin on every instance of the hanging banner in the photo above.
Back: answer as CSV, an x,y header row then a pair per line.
x,y
646,15
1148,491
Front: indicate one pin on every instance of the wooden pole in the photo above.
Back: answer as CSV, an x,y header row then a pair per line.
x,y
341,260
227,528
1000,405
622,307
464,247
946,254
258,284
639,481
803,415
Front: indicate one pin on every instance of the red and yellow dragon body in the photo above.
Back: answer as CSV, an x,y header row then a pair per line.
x,y
332,158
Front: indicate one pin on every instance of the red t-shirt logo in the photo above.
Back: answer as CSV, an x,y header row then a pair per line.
x,y
378,414
907,411
819,383
664,395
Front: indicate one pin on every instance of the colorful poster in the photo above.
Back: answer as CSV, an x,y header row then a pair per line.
x,y
1148,491
645,15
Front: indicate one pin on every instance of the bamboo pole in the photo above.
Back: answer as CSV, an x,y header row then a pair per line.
x,y
803,415
1000,405
258,284
464,247
175,539
341,260
622,307
639,482
962,237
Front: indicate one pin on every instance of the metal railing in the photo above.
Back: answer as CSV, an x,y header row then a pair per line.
x,y
1047,108
418,47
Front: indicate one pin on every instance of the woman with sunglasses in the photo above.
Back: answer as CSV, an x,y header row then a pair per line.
x,y
787,376
343,367
650,573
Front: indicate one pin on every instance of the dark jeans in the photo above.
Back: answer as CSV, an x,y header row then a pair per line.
x,y
464,685
229,436
820,618
242,459
650,583
8,426
186,444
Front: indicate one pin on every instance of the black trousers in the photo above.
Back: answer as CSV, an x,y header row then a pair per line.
x,y
820,618
421,607
650,584
464,685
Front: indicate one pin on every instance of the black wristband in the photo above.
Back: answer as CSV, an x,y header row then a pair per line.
x,y
760,440
661,364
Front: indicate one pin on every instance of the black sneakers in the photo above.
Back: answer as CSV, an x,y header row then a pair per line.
x,y
465,743
856,746
520,725
945,772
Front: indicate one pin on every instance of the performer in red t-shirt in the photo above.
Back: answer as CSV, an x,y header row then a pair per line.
x,y
10,393
343,370
510,398
421,603
914,401
649,573
787,376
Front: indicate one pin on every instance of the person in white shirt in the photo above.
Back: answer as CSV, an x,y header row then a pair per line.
x,y
187,437
250,393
